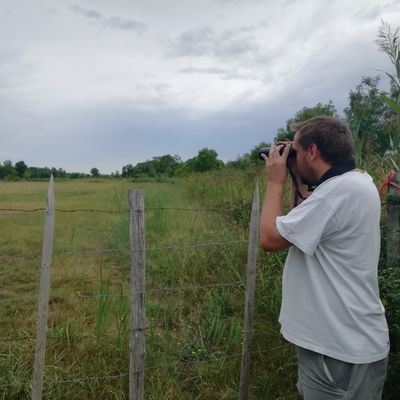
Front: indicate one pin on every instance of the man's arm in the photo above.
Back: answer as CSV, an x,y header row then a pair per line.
x,y
270,238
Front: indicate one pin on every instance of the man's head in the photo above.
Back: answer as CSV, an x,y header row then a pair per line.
x,y
320,143
331,136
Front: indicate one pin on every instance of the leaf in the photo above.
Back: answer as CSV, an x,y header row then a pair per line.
x,y
391,141
398,65
395,107
394,163
393,79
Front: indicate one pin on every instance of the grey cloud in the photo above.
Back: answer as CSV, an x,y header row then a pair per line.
x,y
205,41
266,23
93,14
241,76
126,24
224,74
16,70
235,32
53,10
287,3
194,70
115,22
194,43
9,55
236,47
369,12
392,4
237,2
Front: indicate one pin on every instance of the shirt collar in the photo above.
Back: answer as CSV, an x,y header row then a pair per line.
x,y
337,169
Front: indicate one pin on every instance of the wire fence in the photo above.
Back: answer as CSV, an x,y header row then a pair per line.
x,y
125,211
176,247
95,336
176,364
119,295
181,247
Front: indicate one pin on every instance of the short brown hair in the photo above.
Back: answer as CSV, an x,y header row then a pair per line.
x,y
331,135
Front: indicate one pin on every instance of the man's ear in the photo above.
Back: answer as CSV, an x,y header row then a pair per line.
x,y
312,151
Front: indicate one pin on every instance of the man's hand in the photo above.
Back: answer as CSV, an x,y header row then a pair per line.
x,y
276,164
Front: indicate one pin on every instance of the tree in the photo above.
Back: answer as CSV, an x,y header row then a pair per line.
x,y
127,170
165,165
161,165
20,168
8,170
8,165
39,172
254,153
304,114
94,172
369,116
206,160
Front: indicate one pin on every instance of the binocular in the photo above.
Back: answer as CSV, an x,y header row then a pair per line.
x,y
265,151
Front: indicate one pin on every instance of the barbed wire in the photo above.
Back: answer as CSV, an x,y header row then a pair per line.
x,y
119,295
124,211
56,296
124,249
151,290
21,210
159,366
148,327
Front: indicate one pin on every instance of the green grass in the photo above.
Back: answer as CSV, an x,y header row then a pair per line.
x,y
194,332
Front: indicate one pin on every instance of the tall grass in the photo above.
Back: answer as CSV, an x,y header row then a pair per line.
x,y
193,336
194,330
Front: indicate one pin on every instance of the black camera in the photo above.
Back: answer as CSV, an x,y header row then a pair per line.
x,y
265,150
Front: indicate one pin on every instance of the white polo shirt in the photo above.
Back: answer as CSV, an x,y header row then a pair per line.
x,y
330,295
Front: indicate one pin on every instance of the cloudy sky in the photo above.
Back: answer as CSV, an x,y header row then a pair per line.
x,y
100,83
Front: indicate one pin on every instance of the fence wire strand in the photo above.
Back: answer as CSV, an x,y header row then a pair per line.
x,y
180,363
125,250
124,211
148,327
56,296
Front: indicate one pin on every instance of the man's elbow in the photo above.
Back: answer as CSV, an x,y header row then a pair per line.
x,y
269,244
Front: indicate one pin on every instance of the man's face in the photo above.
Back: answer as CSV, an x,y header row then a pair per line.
x,y
304,164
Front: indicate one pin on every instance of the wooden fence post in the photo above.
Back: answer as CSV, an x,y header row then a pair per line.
x,y
250,296
43,305
138,313
393,223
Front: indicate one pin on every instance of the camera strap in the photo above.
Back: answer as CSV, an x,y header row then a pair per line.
x,y
337,169
297,193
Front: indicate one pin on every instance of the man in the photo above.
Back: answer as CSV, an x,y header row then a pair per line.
x,y
331,309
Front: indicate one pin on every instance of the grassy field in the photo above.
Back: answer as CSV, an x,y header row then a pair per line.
x,y
194,329
195,279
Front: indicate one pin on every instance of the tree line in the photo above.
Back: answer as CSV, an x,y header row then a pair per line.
x,y
372,113
20,170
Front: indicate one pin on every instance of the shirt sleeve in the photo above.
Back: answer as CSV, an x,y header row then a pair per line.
x,y
306,224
